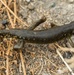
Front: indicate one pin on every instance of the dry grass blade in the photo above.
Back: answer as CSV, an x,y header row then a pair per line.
x,y
65,62
0,4
13,13
7,66
65,68
7,59
54,73
22,61
51,62
9,16
9,1
10,19
40,68
15,10
65,48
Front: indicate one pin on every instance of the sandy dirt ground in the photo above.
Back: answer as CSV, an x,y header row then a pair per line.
x,y
36,59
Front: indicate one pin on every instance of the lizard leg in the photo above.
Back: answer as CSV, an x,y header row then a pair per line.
x,y
21,42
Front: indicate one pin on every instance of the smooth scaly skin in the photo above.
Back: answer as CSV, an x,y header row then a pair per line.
x,y
41,36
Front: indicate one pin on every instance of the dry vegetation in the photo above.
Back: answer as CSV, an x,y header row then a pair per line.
x,y
33,59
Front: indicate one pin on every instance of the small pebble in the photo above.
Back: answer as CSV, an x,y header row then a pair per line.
x,y
4,22
53,5
31,6
28,0
24,13
59,71
67,55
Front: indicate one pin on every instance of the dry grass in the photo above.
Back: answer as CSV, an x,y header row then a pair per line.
x,y
34,61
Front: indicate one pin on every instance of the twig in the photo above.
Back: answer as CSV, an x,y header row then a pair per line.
x,y
7,61
0,5
22,61
54,73
51,62
7,66
13,13
9,16
9,2
65,48
65,62
41,67
10,19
